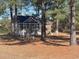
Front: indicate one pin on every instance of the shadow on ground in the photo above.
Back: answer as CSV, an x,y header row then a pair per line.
x,y
54,40
15,40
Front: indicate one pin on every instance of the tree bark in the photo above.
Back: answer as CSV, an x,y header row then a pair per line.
x,y
57,26
12,21
15,19
72,24
43,27
15,10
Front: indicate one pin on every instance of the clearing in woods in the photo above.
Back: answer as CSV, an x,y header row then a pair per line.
x,y
52,49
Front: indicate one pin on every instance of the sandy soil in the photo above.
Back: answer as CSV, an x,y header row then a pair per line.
x,y
38,50
52,49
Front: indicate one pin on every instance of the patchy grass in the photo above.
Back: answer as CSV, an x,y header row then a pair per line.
x,y
3,30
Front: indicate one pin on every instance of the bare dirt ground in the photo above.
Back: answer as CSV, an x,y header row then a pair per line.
x,y
52,49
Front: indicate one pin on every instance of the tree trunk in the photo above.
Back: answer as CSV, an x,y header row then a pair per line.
x,y
15,19
37,11
57,26
43,27
12,21
16,11
57,20
72,24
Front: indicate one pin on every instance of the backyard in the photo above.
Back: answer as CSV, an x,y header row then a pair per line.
x,y
53,48
38,50
39,29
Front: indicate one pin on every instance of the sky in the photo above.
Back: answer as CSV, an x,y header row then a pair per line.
x,y
28,11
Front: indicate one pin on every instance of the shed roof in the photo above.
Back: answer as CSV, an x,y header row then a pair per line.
x,y
27,19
